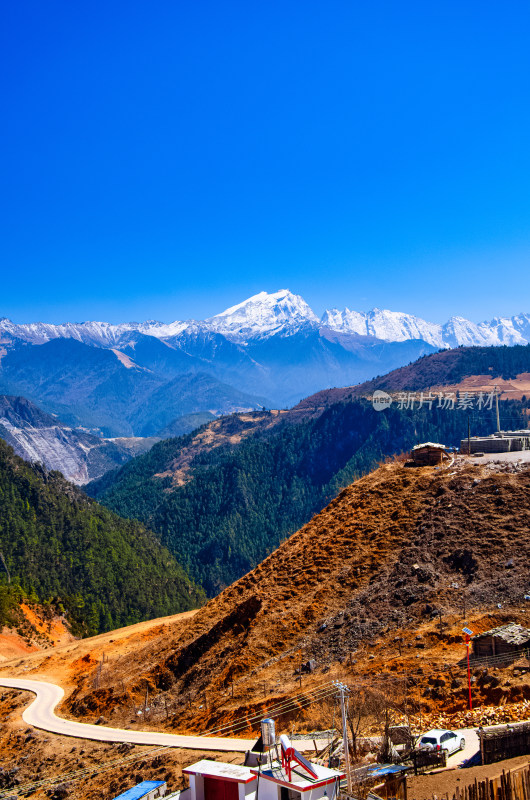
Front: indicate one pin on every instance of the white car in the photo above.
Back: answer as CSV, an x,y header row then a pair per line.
x,y
442,740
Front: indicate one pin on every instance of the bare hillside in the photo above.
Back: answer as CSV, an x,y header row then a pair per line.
x,y
390,552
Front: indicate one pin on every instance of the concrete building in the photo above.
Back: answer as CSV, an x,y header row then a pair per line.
x,y
215,780
275,784
500,442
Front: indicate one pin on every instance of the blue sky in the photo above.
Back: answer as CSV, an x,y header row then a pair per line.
x,y
168,159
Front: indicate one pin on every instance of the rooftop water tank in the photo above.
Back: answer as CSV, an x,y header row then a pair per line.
x,y
268,733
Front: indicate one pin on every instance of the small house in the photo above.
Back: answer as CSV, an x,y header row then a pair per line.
x,y
216,780
429,454
274,780
506,639
146,790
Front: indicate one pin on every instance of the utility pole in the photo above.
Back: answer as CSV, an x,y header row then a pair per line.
x,y
300,669
469,633
497,408
468,435
343,692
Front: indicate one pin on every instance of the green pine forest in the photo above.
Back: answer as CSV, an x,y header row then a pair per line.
x,y
66,552
242,501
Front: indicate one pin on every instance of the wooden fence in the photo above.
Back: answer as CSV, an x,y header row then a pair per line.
x,y
513,785
509,741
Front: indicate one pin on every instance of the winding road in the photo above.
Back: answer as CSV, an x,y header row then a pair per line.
x,y
41,714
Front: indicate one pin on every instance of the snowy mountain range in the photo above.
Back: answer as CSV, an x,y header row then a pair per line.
x,y
284,314
145,379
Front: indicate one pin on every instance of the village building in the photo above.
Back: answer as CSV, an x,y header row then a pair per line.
x,y
278,783
506,639
429,454
216,780
291,778
499,442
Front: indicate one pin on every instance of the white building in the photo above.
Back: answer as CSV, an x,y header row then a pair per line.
x,y
215,780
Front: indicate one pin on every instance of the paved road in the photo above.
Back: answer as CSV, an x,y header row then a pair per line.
x,y
41,714
472,747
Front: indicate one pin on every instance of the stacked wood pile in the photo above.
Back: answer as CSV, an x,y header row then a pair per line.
x,y
332,753
514,785
483,716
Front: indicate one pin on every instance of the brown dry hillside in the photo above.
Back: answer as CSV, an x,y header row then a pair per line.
x,y
389,552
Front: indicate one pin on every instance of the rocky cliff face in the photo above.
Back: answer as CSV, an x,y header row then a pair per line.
x,y
39,437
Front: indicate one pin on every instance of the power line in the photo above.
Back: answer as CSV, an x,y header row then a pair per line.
x,y
301,700
294,702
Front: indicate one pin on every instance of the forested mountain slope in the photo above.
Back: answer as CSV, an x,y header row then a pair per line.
x,y
222,498
58,546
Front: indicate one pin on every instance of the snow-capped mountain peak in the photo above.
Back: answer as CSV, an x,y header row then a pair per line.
x,y
390,326
264,315
284,313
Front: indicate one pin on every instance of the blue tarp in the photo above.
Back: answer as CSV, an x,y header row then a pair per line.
x,y
140,790
385,769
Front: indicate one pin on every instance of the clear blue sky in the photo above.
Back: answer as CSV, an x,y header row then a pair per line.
x,y
167,159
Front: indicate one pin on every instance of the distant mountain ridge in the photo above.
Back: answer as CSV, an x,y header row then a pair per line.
x,y
108,393
284,313
271,350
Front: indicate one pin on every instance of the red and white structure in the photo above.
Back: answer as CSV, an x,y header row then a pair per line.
x,y
285,775
216,780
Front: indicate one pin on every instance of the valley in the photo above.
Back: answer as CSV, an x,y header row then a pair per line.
x,y
261,542
226,495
